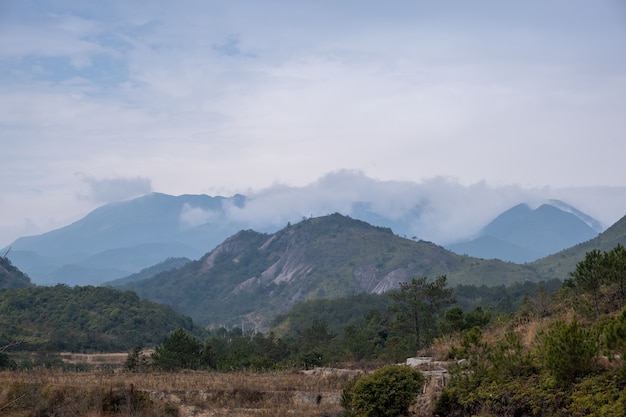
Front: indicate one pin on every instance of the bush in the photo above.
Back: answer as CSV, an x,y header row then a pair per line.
x,y
568,352
181,351
387,392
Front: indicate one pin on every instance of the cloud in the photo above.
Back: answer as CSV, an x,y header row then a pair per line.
x,y
273,95
438,209
107,190
191,216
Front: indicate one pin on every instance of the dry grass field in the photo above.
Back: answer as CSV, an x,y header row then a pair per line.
x,y
237,394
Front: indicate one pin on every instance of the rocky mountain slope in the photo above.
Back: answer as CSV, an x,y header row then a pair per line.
x,y
122,238
253,276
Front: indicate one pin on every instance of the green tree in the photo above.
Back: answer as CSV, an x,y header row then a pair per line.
x,y
135,361
419,305
181,351
314,345
456,320
387,392
367,340
614,334
568,352
615,261
509,360
590,274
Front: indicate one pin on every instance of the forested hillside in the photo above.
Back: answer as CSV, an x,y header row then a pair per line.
x,y
10,276
253,276
342,312
83,319
561,354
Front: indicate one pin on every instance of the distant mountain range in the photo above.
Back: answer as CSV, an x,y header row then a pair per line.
x,y
560,264
252,276
120,239
523,235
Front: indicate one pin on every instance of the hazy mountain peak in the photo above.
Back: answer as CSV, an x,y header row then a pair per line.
x,y
522,234
593,223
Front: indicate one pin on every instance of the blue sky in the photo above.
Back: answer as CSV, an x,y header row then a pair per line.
x,y
101,101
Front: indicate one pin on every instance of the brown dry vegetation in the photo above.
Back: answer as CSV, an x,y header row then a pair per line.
x,y
237,394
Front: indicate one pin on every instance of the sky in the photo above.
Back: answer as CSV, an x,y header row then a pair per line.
x,y
105,101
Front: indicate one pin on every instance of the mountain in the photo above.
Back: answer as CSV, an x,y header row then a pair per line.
x,y
522,234
560,264
121,238
10,276
166,265
253,276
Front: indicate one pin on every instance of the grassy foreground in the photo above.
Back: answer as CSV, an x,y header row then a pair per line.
x,y
237,394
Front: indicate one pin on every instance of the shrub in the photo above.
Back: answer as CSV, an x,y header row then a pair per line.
x,y
181,351
387,392
569,352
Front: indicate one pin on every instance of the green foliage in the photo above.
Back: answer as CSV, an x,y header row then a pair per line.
x,y
614,334
5,361
80,319
500,298
615,263
456,320
600,395
181,351
509,360
590,274
10,276
387,392
568,352
337,313
136,361
560,374
314,345
419,305
603,270
367,341
325,257
237,351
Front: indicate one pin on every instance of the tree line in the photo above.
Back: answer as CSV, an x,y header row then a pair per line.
x,y
417,314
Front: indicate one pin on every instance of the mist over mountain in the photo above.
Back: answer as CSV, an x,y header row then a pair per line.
x,y
522,234
560,264
253,276
119,239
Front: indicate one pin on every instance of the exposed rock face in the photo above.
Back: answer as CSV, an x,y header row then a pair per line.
x,y
326,257
391,281
233,246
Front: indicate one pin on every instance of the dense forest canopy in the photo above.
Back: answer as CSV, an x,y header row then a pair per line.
x,y
81,319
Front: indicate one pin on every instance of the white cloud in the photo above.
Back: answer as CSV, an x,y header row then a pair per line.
x,y
447,211
191,216
243,95
107,190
